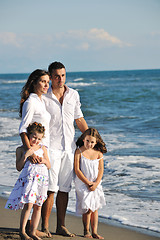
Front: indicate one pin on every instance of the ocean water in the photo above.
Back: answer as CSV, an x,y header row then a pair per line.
x,y
124,107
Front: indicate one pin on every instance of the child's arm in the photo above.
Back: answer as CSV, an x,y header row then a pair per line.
x,y
21,157
100,173
77,170
26,144
45,159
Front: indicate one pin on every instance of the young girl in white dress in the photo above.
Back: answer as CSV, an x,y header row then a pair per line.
x,y
88,165
31,187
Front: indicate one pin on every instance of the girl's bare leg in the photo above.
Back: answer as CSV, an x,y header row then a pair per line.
x,y
94,225
86,218
23,220
35,221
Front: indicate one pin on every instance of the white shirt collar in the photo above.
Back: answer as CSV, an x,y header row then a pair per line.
x,y
34,95
50,89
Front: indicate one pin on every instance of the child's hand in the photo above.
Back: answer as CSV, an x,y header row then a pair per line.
x,y
93,186
89,184
43,161
32,157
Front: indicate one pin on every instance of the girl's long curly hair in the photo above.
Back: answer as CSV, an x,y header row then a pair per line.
x,y
29,86
100,145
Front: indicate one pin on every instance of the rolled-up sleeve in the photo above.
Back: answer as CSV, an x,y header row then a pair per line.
x,y
27,116
77,112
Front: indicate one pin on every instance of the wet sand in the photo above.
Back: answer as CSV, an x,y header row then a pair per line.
x,y
9,227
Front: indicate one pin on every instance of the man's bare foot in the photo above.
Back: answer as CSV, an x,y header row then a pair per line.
x,y
87,234
97,236
24,236
41,234
47,232
64,232
35,237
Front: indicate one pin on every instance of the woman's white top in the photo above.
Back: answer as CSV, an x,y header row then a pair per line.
x,y
34,110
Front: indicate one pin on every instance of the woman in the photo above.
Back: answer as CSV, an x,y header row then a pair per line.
x,y
32,109
32,106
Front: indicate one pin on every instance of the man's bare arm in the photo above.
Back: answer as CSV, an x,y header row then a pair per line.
x,y
81,124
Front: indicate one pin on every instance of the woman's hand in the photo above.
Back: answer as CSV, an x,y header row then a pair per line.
x,y
29,152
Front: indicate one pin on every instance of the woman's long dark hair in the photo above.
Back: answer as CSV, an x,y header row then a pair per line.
x,y
100,145
29,86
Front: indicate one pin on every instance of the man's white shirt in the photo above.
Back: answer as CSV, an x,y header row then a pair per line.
x,y
61,126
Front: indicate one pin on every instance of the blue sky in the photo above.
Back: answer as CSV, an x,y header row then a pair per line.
x,y
86,35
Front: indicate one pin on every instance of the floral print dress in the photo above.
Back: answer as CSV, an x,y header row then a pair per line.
x,y
31,186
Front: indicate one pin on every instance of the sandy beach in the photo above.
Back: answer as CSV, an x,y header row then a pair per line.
x,y
9,227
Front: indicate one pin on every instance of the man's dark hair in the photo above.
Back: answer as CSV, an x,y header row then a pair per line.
x,y
54,66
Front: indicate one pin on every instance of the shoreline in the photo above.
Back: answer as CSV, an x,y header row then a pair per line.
x,y
9,227
5,191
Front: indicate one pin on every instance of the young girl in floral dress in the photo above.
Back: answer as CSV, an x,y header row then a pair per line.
x,y
31,187
88,165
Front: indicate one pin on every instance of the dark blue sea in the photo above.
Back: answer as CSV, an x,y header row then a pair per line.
x,y
125,108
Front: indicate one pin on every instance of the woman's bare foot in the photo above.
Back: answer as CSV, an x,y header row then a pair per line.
x,y
87,234
64,232
97,236
24,236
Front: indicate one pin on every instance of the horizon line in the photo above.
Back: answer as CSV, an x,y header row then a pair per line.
x,y
143,69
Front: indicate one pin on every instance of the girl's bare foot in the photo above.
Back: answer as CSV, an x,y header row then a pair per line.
x,y
24,236
97,236
87,234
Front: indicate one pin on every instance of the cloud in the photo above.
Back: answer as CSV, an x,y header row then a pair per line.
x,y
78,40
102,35
10,38
84,46
93,38
155,33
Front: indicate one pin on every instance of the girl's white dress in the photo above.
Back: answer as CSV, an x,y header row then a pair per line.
x,y
31,186
86,199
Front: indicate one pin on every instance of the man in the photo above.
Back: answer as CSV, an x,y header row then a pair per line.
x,y
63,104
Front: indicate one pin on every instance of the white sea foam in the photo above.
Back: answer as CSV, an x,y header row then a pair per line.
x,y
82,84
13,81
6,193
78,79
9,126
